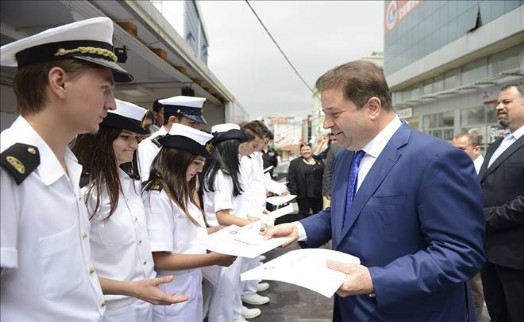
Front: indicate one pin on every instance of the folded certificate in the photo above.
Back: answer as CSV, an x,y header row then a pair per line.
x,y
306,268
241,241
279,200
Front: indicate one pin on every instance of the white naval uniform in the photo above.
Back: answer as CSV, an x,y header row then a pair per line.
x,y
146,153
121,250
47,273
172,231
255,197
225,304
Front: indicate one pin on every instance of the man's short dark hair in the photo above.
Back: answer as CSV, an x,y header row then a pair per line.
x,y
359,81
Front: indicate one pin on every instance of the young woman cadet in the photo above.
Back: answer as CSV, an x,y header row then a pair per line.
x,y
223,205
120,246
175,220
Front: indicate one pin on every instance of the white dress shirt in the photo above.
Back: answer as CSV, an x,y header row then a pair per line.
x,y
47,273
373,149
478,163
506,143
146,153
222,199
120,245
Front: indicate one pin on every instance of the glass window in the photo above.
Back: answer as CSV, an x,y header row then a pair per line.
x,y
475,71
504,61
438,83
472,116
428,87
450,79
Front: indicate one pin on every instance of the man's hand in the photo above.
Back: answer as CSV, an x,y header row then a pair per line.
x,y
148,290
358,280
283,230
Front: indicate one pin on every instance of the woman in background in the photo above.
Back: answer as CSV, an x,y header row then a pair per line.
x,y
305,180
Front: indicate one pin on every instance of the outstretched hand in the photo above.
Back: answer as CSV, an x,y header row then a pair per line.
x,y
148,290
282,230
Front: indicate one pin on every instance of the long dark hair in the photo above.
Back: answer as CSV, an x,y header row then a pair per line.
x,y
96,155
169,171
225,158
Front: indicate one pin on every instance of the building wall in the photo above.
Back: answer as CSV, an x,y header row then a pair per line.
x,y
445,62
430,25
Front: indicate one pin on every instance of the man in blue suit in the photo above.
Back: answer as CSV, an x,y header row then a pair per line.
x,y
416,219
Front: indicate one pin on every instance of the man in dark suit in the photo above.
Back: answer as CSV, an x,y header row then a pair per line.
x,y
502,181
415,220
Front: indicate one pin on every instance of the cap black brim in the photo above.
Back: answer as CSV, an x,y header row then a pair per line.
x,y
120,74
200,119
184,143
123,123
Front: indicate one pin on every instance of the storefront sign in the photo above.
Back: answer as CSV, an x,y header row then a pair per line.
x,y
397,10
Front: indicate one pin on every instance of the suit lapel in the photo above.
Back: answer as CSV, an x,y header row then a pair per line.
x,y
378,172
489,154
506,154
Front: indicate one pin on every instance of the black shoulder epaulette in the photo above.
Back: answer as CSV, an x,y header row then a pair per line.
x,y
20,160
155,141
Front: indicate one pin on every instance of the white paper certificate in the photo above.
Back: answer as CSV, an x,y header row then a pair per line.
x,y
306,268
241,241
279,200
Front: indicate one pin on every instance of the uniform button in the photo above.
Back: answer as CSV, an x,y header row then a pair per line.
x,y
84,235
103,303
145,262
136,218
91,270
140,242
372,295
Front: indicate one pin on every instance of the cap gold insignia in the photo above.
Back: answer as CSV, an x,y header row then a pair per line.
x,y
178,111
31,150
156,186
209,146
88,50
15,163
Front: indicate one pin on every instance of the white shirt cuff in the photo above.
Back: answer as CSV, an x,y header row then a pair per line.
x,y
301,231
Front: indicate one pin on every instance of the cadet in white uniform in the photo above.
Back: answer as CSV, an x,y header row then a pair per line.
x,y
64,88
119,241
185,110
175,221
224,205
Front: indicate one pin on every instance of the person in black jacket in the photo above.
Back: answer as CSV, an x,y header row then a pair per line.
x,y
305,180
502,181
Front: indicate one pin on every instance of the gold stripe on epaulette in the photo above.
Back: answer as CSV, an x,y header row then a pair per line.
x,y
16,164
88,50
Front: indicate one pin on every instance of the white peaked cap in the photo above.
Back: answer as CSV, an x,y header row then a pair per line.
x,y
89,40
129,110
219,128
196,135
189,101
126,116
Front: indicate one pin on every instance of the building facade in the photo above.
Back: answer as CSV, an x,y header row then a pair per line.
x,y
445,62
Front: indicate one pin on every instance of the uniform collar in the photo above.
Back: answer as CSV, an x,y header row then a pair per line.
x,y
50,169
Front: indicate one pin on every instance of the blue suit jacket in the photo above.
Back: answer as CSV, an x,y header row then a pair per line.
x,y
416,222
